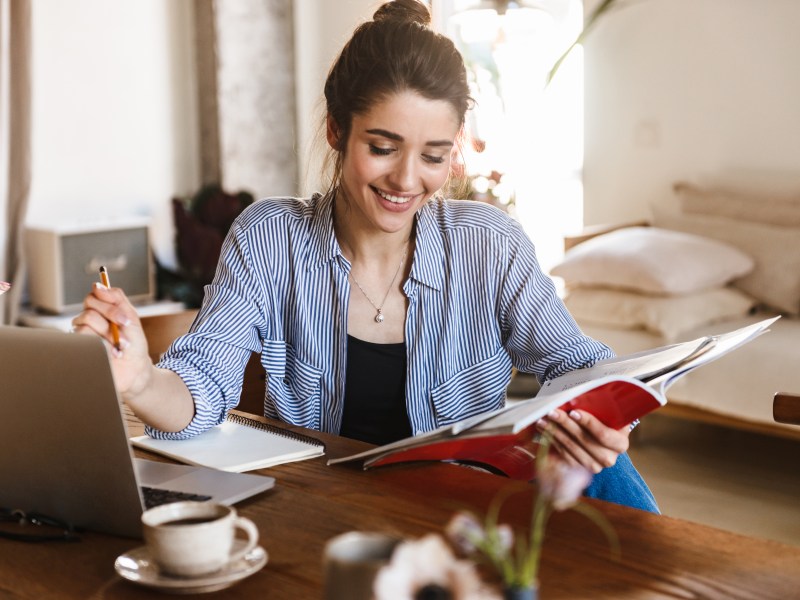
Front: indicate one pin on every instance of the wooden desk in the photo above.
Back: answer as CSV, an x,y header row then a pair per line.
x,y
662,557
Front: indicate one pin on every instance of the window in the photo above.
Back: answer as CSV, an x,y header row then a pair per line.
x,y
529,132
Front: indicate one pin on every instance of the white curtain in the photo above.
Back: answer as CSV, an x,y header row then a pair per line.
x,y
15,146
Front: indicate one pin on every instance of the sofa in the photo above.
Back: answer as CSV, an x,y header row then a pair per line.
x,y
712,258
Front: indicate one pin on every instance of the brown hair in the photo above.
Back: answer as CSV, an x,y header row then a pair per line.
x,y
395,52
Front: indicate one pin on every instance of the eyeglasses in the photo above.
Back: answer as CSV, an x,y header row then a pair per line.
x,y
42,527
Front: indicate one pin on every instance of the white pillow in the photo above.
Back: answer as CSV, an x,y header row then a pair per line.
x,y
775,280
668,316
652,260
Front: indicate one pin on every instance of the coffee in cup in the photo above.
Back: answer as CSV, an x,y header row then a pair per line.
x,y
191,539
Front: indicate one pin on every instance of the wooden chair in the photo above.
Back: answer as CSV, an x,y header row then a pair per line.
x,y
161,331
786,408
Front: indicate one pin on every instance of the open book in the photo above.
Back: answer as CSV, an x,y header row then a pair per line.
x,y
238,444
616,391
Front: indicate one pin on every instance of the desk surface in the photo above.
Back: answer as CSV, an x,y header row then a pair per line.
x,y
662,557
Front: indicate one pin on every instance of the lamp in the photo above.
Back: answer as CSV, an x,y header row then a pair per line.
x,y
501,7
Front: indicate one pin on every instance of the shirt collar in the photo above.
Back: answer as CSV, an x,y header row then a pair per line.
x,y
323,245
428,266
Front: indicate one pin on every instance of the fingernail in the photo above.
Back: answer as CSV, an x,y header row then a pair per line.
x,y
553,414
541,424
575,415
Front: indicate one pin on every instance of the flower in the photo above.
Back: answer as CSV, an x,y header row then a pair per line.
x,y
562,484
517,562
427,569
201,224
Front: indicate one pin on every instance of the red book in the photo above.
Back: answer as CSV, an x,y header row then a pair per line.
x,y
506,441
617,392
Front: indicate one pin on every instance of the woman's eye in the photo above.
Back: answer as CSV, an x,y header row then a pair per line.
x,y
436,160
379,151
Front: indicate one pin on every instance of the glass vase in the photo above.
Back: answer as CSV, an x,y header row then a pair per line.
x,y
521,593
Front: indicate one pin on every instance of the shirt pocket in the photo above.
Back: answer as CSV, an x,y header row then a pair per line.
x,y
476,389
293,386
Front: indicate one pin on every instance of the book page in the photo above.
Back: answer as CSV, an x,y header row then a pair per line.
x,y
642,366
721,345
236,446
661,366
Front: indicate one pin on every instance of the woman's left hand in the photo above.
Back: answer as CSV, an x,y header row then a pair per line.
x,y
580,438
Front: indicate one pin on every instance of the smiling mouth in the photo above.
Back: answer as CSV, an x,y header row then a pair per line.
x,y
393,199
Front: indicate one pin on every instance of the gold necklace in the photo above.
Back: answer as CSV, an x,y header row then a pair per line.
x,y
379,317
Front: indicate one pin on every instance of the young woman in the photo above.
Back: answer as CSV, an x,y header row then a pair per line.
x,y
379,309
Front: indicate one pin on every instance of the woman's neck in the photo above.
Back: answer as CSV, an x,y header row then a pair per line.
x,y
362,243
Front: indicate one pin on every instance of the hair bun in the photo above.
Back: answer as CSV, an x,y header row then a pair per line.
x,y
404,11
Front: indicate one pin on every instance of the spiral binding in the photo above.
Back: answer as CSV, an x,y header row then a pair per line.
x,y
260,425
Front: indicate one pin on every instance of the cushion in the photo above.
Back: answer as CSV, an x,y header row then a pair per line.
x,y
772,209
775,280
652,260
667,316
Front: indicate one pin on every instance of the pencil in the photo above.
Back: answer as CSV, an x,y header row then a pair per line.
x,y
114,329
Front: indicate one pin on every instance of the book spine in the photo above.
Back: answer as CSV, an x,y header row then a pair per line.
x,y
261,426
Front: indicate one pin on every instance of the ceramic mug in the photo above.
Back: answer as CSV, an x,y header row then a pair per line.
x,y
352,560
190,539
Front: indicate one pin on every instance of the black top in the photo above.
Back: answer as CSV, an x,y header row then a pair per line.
x,y
375,392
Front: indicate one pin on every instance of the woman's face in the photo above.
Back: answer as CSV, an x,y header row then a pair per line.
x,y
397,156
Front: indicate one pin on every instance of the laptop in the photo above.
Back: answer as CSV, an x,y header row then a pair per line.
x,y
64,448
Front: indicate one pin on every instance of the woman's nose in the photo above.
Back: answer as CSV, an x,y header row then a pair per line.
x,y
404,175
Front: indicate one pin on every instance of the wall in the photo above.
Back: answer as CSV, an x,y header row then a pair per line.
x,y
674,88
688,89
321,29
256,102
114,112
115,116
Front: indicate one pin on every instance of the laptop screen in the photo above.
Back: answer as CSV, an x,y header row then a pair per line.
x,y
65,451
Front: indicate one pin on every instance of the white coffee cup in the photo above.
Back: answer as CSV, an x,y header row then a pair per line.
x,y
351,562
191,539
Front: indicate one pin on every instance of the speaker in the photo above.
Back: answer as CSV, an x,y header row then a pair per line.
x,y
64,262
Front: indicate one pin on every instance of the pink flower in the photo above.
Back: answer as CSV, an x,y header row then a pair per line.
x,y
465,532
505,537
562,484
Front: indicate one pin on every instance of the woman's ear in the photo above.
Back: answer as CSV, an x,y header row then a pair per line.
x,y
332,132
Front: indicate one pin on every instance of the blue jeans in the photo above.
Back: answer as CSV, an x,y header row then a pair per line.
x,y
622,484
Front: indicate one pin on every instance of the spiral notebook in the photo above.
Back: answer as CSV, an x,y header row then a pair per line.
x,y
239,444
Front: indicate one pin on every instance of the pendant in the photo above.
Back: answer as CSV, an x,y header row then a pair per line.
x,y
379,316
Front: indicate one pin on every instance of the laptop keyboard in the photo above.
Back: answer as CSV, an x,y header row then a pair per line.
x,y
157,496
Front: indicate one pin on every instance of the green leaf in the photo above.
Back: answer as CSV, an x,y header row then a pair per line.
x,y
588,24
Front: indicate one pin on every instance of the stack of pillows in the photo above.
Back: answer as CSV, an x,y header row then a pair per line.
x,y
715,256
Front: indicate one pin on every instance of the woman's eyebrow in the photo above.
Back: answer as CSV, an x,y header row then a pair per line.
x,y
387,134
399,138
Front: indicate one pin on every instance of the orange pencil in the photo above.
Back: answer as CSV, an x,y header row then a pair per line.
x,y
114,329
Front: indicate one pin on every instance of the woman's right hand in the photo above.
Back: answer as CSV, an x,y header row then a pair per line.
x,y
130,362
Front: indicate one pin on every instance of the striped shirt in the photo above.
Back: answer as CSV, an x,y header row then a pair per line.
x,y
478,303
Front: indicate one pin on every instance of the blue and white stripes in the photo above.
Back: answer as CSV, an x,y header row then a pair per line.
x,y
478,303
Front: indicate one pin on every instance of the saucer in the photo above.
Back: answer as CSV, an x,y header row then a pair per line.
x,y
137,566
